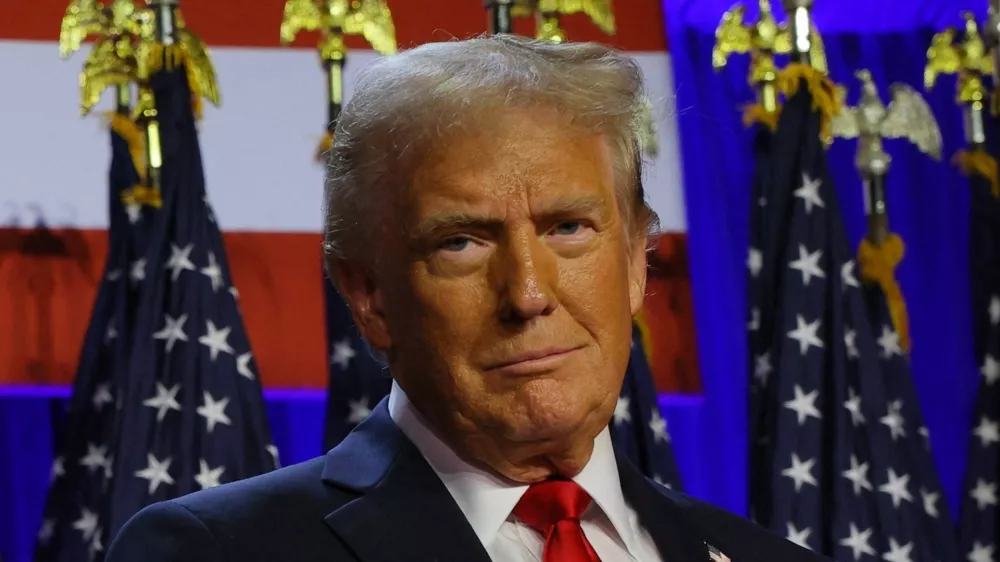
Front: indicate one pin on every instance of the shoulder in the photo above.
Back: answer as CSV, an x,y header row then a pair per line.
x,y
737,537
250,517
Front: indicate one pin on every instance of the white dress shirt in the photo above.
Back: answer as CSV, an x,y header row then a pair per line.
x,y
487,500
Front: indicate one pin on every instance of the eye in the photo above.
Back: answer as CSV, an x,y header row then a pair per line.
x,y
568,228
455,244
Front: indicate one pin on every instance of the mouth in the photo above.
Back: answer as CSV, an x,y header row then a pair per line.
x,y
534,362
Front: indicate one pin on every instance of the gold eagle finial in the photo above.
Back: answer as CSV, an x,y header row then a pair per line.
x,y
547,13
334,19
965,55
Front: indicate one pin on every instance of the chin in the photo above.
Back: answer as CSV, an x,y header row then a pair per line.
x,y
553,417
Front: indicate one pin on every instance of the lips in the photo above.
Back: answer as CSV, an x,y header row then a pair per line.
x,y
535,361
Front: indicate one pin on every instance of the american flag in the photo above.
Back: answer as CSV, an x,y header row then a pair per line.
x,y
358,379
638,428
978,516
845,466
190,411
82,466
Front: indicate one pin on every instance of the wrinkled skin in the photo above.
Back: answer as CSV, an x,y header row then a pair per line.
x,y
508,240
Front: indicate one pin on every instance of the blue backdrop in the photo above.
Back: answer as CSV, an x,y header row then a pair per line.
x,y
928,208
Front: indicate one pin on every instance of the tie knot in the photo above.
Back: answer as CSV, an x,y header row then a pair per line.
x,y
547,503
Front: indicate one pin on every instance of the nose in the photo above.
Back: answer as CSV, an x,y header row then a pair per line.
x,y
528,278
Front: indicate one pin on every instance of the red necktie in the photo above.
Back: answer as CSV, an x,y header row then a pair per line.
x,y
553,508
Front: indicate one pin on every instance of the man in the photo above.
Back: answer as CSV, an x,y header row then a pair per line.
x,y
486,224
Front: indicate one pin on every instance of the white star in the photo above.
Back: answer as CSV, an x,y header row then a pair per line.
x,y
114,275
847,275
234,292
213,272
215,340
898,553
57,468
800,538
214,412
804,405
858,542
274,454
990,370
622,412
165,400
926,434
809,193
805,334
988,431
894,419
243,365
762,367
86,524
808,264
659,427
95,458
930,502
850,337
157,472
342,353
173,331
889,342
134,212
896,487
754,323
102,396
985,493
137,272
208,477
853,405
359,410
755,261
981,552
46,531
994,310
858,475
800,472
180,260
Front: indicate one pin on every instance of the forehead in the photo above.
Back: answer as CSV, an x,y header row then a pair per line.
x,y
523,157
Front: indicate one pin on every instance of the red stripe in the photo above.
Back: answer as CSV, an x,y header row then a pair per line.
x,y
254,23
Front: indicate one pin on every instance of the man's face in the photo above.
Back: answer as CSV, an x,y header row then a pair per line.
x,y
505,303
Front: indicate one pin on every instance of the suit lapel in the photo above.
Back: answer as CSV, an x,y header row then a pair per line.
x,y
404,511
663,515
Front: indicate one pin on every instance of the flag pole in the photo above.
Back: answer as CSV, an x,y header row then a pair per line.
x,y
501,16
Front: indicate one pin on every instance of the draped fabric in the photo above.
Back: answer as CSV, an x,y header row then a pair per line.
x,y
928,206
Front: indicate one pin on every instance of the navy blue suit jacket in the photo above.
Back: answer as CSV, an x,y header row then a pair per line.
x,y
374,498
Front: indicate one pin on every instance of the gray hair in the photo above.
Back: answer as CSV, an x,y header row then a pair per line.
x,y
403,103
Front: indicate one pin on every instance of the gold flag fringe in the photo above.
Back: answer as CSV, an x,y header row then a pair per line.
x,y
645,336
325,144
823,90
143,195
878,265
978,162
757,113
127,129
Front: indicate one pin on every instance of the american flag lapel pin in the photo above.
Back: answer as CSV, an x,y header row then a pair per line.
x,y
716,555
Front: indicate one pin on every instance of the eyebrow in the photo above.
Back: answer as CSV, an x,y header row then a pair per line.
x,y
568,206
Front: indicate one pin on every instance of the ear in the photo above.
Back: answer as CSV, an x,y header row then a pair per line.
x,y
637,273
357,286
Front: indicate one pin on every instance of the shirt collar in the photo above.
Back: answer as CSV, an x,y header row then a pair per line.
x,y
487,499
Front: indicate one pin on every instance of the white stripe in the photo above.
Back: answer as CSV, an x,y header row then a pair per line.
x,y
257,148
